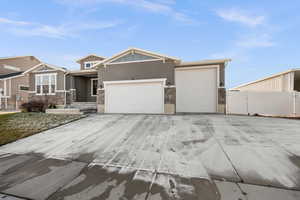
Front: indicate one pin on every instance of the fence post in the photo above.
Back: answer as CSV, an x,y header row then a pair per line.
x,y
247,102
226,103
294,104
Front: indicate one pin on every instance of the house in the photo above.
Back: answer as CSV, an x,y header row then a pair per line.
x,y
286,81
140,81
14,84
132,81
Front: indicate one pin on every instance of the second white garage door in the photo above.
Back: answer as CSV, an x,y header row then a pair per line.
x,y
138,96
196,90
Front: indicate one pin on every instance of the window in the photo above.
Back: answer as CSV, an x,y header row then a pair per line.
x,y
23,88
94,86
45,83
88,65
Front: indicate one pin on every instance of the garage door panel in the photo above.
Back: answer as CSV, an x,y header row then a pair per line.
x,y
196,90
134,98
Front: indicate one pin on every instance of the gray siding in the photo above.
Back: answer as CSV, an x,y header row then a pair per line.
x,y
222,75
133,57
90,58
83,89
135,71
68,82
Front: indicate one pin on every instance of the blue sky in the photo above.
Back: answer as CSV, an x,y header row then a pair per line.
x,y
261,36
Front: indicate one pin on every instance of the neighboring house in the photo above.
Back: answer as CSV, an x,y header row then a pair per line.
x,y
276,95
287,81
47,83
14,84
139,81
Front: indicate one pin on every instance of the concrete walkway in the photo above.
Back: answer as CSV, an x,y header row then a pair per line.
x,y
157,157
8,112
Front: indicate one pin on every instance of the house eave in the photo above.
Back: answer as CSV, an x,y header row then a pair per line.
x,y
83,72
49,65
263,79
79,60
145,52
204,62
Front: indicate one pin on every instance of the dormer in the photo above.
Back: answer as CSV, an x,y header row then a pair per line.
x,y
89,61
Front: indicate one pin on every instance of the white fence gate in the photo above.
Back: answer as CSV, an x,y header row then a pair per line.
x,y
264,103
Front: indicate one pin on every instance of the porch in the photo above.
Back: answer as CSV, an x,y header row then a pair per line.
x,y
83,86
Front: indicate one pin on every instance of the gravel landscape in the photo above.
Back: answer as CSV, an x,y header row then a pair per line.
x,y
14,126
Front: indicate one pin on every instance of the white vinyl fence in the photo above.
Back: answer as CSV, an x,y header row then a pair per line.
x,y
0,98
263,103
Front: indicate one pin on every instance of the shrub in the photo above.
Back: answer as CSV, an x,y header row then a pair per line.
x,y
52,105
34,106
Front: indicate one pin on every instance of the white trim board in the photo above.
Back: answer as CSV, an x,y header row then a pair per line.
x,y
135,81
94,79
136,61
197,67
136,50
48,65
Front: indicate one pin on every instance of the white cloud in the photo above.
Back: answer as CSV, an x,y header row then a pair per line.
x,y
256,40
158,6
241,16
241,49
52,31
260,34
13,22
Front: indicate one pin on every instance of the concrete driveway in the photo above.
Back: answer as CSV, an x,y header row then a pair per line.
x,y
157,157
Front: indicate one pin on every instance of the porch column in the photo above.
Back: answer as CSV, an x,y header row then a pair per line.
x,y
170,100
72,90
221,100
101,100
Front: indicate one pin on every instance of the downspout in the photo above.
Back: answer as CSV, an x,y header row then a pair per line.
x,y
65,91
294,103
5,94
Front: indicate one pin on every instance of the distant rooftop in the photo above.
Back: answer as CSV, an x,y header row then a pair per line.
x,y
3,76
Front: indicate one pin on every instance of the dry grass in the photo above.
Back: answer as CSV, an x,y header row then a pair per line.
x,y
19,125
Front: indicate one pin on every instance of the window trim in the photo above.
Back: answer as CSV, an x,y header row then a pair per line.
x,y
94,79
92,63
41,89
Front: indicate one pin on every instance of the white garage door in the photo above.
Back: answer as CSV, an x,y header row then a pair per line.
x,y
139,96
196,90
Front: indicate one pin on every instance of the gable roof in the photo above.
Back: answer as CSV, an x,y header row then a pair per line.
x,y
78,61
263,79
48,65
10,75
136,50
16,57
